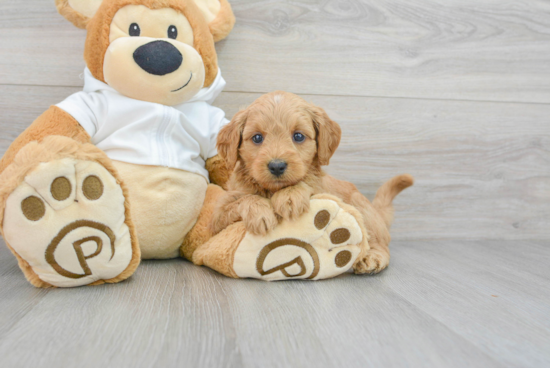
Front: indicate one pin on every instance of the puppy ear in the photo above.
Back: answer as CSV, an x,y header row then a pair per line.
x,y
78,12
230,138
218,15
328,134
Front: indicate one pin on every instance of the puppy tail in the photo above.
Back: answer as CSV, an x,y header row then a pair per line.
x,y
387,192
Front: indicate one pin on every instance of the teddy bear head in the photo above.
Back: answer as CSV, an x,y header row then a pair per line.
x,y
152,50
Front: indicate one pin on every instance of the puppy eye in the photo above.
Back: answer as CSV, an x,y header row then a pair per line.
x,y
134,30
258,138
172,32
299,137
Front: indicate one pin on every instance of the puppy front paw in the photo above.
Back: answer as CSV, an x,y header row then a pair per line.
x,y
290,203
259,218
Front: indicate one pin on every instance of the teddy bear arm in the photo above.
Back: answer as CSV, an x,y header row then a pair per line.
x,y
53,121
217,170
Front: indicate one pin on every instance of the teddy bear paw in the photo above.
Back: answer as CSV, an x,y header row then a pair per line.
x,y
67,221
322,243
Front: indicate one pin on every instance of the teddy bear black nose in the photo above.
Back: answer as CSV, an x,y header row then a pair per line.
x,y
158,57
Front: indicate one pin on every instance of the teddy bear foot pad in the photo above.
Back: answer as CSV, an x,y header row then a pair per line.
x,y
67,221
321,244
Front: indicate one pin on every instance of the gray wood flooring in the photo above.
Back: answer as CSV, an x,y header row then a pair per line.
x,y
456,93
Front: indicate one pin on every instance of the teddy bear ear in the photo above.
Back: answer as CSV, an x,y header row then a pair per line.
x,y
78,12
218,15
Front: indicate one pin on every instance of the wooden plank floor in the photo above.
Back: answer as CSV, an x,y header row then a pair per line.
x,y
456,93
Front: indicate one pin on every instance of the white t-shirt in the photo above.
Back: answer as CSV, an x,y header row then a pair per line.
x,y
147,133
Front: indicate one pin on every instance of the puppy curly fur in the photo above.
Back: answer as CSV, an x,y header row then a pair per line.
x,y
261,199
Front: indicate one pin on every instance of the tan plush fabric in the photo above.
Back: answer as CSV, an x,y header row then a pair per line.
x,y
219,252
165,205
215,252
200,233
223,23
52,122
68,12
217,170
85,7
50,149
208,8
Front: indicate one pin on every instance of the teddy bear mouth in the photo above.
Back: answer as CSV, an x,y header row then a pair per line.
x,y
185,85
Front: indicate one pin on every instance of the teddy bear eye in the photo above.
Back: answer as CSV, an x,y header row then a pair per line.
x,y
258,138
134,30
299,137
172,32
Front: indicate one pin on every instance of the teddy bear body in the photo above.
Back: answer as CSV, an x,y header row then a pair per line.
x,y
160,153
141,135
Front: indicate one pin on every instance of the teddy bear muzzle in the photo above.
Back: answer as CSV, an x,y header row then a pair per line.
x,y
163,71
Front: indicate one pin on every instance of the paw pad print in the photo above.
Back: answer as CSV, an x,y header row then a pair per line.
x,y
67,220
34,208
322,243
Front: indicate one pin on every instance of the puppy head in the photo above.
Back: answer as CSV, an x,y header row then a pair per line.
x,y
279,140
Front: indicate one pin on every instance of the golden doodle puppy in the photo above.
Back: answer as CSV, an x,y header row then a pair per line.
x,y
277,147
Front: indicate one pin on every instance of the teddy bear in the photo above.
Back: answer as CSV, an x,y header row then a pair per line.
x,y
128,169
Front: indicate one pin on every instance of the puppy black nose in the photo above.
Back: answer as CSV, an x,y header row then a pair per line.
x,y
277,167
158,57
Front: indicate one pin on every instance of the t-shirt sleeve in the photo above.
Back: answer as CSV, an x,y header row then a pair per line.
x,y
87,108
217,121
